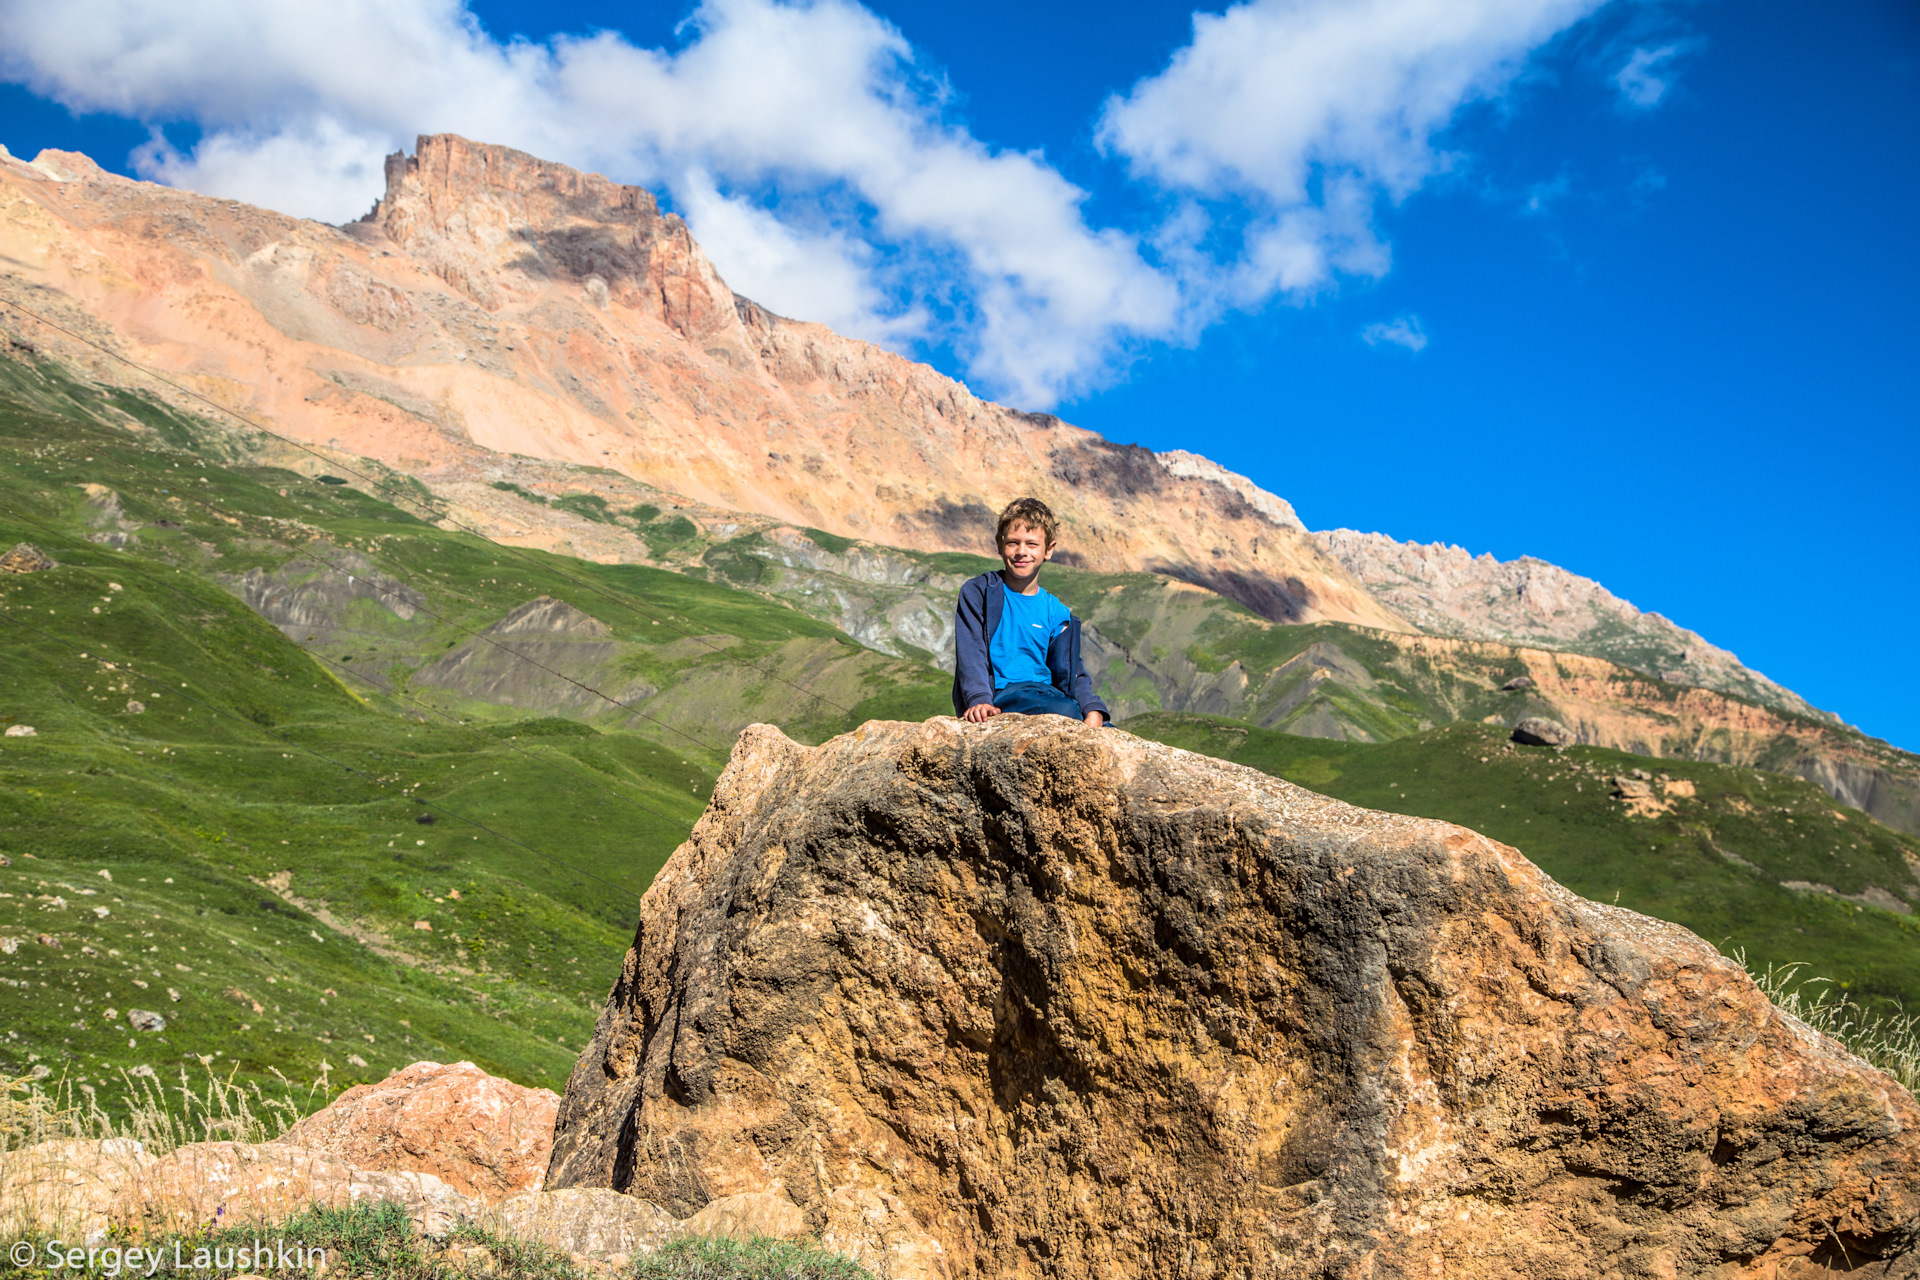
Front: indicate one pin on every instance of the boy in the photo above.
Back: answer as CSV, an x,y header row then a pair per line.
x,y
1016,647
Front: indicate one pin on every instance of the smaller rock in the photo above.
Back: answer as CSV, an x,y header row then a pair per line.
x,y
424,926
752,1213
1517,683
9,946
136,708
145,1020
48,940
173,995
25,558
484,1137
597,1223
1538,731
22,731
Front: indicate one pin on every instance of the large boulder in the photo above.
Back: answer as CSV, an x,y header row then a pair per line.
x,y
1540,731
1029,998
483,1136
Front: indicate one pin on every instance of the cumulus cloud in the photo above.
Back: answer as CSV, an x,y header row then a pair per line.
x,y
1645,78
1305,112
811,152
1402,331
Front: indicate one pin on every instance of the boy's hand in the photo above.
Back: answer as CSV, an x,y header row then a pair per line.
x,y
1095,719
980,713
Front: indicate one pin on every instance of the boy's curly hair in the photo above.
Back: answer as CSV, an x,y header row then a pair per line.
x,y
1027,511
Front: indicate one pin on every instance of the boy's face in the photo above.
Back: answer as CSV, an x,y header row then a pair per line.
x,y
1025,549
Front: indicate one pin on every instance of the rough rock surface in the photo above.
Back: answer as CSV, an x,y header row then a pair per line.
x,y
483,1136
89,1188
592,1221
69,1184
1026,998
1540,731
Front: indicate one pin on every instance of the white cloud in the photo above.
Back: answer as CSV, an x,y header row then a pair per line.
x,y
824,277
810,153
1305,112
1644,80
1402,331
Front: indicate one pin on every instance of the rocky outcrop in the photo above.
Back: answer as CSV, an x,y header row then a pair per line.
x,y
24,557
1540,731
485,1137
1027,998
495,304
1449,591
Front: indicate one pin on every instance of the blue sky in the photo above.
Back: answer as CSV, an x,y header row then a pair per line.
x,y
1628,287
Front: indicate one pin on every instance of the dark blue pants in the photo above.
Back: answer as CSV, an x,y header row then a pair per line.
x,y
1033,699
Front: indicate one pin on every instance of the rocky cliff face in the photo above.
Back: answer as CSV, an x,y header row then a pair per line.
x,y
1448,591
493,303
1031,999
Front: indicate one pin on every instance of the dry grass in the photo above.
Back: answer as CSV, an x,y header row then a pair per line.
x,y
1890,1042
159,1117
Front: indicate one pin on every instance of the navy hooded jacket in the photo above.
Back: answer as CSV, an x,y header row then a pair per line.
x,y
976,617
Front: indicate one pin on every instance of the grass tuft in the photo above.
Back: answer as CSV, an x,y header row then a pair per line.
x,y
159,1117
758,1258
1889,1041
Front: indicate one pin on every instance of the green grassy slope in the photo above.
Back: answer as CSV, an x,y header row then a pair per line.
x,y
274,826
278,819
1714,863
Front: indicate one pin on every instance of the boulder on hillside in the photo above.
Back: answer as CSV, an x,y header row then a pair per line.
x,y
25,558
1539,731
1517,683
483,1136
1026,998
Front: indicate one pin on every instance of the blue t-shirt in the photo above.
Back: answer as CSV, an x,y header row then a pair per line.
x,y
1028,625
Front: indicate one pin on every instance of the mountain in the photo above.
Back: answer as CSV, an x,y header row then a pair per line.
x,y
493,304
1448,591
557,364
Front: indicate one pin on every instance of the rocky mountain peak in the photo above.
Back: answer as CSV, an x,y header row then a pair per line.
x,y
1447,590
495,303
502,226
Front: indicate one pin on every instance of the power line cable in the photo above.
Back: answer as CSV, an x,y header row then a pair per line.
x,y
376,685
384,488
319,755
